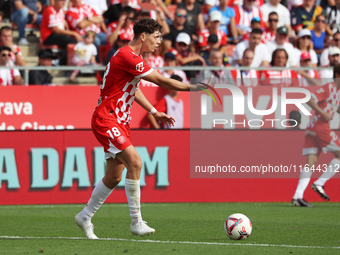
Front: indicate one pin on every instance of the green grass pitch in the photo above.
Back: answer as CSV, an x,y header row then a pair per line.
x,y
181,228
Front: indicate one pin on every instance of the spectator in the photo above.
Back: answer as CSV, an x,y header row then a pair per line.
x,y
244,14
261,57
319,35
85,53
100,6
183,56
6,39
113,12
215,20
304,15
332,15
170,60
220,76
82,18
122,40
281,41
326,74
248,78
8,77
54,29
279,78
172,105
277,7
311,76
24,12
123,26
227,19
194,20
270,31
304,44
178,26
324,60
42,77
213,43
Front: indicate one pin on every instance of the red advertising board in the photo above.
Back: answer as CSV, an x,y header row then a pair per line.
x,y
70,107
54,167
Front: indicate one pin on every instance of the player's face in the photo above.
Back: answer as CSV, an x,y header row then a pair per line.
x,y
153,41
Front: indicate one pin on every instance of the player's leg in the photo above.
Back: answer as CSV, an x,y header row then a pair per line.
x,y
305,176
332,169
113,175
133,163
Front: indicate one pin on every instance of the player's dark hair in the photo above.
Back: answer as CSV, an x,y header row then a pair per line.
x,y
146,25
275,52
256,31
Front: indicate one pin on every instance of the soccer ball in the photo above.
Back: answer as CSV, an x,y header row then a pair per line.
x,y
237,226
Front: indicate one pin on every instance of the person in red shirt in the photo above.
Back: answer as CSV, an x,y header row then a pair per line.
x,y
319,137
54,29
82,17
111,118
172,105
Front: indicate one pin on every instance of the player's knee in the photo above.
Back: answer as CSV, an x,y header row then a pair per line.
x,y
136,164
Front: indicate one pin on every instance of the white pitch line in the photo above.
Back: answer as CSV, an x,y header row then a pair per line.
x,y
175,242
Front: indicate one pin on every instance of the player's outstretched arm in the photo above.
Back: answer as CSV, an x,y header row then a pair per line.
x,y
172,84
147,106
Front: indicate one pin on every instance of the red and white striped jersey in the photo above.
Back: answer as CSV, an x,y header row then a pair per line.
x,y
243,17
249,78
303,81
76,14
203,38
126,32
13,58
276,78
266,36
7,76
51,18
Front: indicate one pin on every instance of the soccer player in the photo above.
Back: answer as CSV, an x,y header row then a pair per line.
x,y
319,137
110,123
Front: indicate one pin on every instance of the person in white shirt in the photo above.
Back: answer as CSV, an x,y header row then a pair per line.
x,y
281,42
326,74
324,61
304,44
85,53
275,6
261,56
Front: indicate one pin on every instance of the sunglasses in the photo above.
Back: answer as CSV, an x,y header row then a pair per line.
x,y
129,18
306,37
181,15
337,40
5,55
321,20
273,20
182,44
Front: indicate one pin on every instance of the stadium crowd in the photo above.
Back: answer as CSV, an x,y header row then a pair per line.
x,y
237,33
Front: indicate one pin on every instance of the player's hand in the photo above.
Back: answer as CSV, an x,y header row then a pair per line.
x,y
200,85
166,119
327,116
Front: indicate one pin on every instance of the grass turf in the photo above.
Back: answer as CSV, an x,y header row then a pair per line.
x,y
186,228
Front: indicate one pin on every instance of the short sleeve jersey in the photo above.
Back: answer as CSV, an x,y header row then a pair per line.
x,y
304,19
76,14
120,83
204,35
51,18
